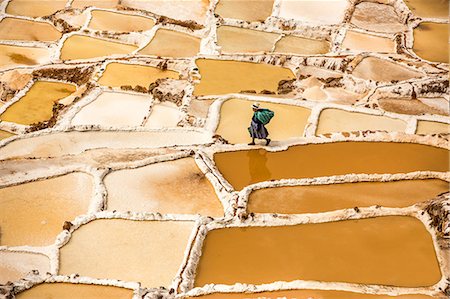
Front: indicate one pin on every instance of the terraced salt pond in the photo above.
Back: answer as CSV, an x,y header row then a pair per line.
x,y
245,10
336,120
173,187
432,127
153,250
368,43
430,42
11,56
322,12
239,40
34,8
18,29
376,69
169,43
428,9
245,167
119,22
302,46
354,251
235,116
15,265
67,290
121,74
37,104
49,203
227,76
84,47
96,3
163,115
324,198
415,106
377,17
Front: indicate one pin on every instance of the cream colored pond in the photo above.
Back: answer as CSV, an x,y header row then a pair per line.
x,y
34,9
336,120
228,76
17,55
377,17
18,29
173,187
429,8
431,41
114,109
247,10
324,198
381,70
36,105
240,40
96,3
415,106
242,168
169,43
163,115
16,265
84,47
391,250
236,114
432,127
150,252
302,46
112,21
368,43
322,11
48,203
120,74
67,291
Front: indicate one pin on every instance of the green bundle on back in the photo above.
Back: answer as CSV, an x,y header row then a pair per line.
x,y
264,115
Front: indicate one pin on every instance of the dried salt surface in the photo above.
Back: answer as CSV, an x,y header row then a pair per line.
x,y
431,41
377,17
226,76
177,9
169,43
19,29
319,12
48,202
149,252
11,56
240,40
15,265
324,198
342,95
337,120
66,143
67,291
376,69
84,47
415,106
236,114
301,46
95,3
428,9
119,22
357,41
431,127
163,115
120,74
172,187
247,10
353,251
114,109
34,9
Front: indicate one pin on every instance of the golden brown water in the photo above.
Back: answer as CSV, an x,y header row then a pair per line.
x,y
169,43
368,43
5,134
240,40
245,10
428,8
67,291
302,46
119,74
112,21
323,198
16,265
431,42
306,294
372,68
236,115
17,29
149,252
84,47
432,127
17,55
48,204
227,76
174,187
34,9
242,168
336,120
37,104
391,250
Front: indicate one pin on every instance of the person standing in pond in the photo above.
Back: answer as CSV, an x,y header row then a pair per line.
x,y
257,129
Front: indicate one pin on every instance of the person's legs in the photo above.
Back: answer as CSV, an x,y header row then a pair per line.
x,y
253,142
268,141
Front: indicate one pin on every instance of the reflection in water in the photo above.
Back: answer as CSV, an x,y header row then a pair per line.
x,y
257,165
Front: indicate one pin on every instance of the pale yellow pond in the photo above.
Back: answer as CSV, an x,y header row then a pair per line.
x,y
17,29
381,70
16,265
247,10
169,43
112,21
368,43
17,55
34,9
302,46
432,127
240,40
